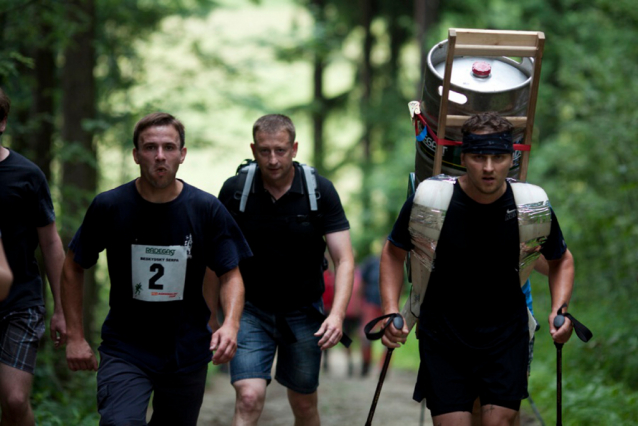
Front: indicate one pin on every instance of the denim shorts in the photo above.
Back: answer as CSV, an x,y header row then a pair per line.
x,y
260,338
20,334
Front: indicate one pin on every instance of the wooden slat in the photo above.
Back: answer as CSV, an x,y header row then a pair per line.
x,y
494,37
478,50
438,154
458,120
531,107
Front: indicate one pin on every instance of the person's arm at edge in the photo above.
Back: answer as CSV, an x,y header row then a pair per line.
x,y
53,254
79,355
561,284
390,283
340,249
231,294
6,276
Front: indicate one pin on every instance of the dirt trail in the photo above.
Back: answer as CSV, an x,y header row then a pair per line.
x,y
343,400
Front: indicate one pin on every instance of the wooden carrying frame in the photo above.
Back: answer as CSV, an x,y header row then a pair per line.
x,y
467,42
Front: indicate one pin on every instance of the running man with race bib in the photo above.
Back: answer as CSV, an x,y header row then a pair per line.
x,y
160,234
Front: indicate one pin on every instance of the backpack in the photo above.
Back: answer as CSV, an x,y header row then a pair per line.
x,y
246,172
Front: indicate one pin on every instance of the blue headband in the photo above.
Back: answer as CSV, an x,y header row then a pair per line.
x,y
489,144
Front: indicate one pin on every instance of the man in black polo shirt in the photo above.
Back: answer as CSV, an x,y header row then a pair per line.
x,y
284,279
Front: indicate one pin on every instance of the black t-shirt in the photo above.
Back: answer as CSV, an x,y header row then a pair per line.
x,y
474,297
25,205
287,239
157,255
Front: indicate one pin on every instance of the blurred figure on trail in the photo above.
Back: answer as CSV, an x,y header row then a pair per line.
x,y
352,323
370,305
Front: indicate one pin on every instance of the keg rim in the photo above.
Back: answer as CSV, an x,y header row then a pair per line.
x,y
526,66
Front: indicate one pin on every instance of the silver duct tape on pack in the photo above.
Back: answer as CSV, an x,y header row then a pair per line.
x,y
535,221
425,227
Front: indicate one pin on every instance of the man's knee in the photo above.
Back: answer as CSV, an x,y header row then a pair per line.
x,y
498,416
251,395
304,406
15,403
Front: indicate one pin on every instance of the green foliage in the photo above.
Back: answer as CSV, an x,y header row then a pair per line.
x,y
60,400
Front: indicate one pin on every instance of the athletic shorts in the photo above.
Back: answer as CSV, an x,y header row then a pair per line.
x,y
259,339
450,382
20,334
124,391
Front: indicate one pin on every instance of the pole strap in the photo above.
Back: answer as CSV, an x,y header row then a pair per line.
x,y
582,331
370,335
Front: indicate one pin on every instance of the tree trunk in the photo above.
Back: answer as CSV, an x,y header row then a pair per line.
x,y
42,108
425,15
79,170
319,101
367,14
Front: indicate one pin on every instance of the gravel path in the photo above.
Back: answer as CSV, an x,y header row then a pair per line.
x,y
343,400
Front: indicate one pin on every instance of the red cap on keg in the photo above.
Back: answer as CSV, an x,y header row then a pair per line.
x,y
481,69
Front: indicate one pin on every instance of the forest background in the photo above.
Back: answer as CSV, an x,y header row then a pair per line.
x,y
80,73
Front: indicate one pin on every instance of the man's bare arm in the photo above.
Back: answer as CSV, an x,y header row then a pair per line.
x,y
79,355
391,282
231,295
340,249
6,276
561,284
53,255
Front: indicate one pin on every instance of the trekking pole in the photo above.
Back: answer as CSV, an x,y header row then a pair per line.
x,y
397,321
559,320
583,334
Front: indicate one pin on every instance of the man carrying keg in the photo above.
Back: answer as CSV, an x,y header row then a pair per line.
x,y
474,326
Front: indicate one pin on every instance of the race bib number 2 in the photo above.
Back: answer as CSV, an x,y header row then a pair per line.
x,y
159,272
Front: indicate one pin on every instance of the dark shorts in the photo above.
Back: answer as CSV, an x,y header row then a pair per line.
x,y
450,382
124,391
259,339
20,334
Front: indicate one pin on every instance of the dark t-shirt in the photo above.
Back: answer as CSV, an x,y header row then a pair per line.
x,y
287,239
474,297
25,205
157,255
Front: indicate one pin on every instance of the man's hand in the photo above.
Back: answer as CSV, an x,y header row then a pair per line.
x,y
80,356
58,329
330,332
394,338
562,334
224,344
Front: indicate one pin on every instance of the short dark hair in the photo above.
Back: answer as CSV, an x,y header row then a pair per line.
x,y
273,123
158,119
489,122
5,105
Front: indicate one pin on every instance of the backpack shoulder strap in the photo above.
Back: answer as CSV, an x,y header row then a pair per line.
x,y
311,185
249,173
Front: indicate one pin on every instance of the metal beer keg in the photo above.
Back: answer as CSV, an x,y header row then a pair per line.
x,y
478,84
